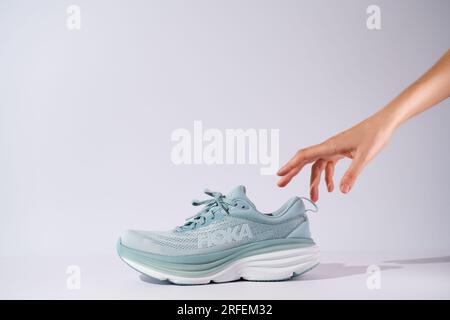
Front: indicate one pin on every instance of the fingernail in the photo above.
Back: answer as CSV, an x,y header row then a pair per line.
x,y
345,188
330,187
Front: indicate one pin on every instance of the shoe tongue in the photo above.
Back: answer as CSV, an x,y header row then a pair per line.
x,y
239,193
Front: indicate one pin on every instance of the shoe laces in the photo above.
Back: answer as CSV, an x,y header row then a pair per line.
x,y
212,206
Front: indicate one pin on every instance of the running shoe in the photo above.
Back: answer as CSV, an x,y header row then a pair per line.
x,y
229,239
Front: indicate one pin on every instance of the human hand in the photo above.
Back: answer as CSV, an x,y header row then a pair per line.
x,y
363,141
360,143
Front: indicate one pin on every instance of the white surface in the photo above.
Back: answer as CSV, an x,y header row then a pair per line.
x,y
339,276
278,265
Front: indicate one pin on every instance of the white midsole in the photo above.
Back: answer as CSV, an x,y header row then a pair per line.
x,y
278,265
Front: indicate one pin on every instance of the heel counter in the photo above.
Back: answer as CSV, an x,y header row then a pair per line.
x,y
302,231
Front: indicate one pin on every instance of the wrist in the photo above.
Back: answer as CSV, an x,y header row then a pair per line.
x,y
390,117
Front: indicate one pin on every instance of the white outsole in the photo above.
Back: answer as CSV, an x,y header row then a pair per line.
x,y
273,266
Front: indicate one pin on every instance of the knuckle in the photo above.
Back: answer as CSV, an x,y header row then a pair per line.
x,y
301,153
350,175
330,168
331,144
317,166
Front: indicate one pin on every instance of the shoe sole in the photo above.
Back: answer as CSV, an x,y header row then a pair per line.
x,y
273,266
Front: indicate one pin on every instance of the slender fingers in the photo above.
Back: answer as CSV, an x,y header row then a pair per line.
x,y
329,173
350,176
288,177
316,172
305,156
301,158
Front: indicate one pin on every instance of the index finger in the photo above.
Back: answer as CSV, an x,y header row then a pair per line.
x,y
305,156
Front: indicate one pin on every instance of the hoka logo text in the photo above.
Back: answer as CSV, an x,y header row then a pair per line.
x,y
224,236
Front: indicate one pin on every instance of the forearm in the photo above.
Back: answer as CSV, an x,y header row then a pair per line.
x,y
428,90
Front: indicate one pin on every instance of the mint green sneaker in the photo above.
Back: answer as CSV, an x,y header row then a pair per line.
x,y
228,240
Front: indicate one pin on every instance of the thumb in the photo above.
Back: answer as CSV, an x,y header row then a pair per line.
x,y
352,173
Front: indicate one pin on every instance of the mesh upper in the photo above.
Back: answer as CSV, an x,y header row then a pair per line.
x,y
186,242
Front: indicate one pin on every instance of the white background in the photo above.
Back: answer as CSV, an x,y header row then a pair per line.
x,y
86,116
